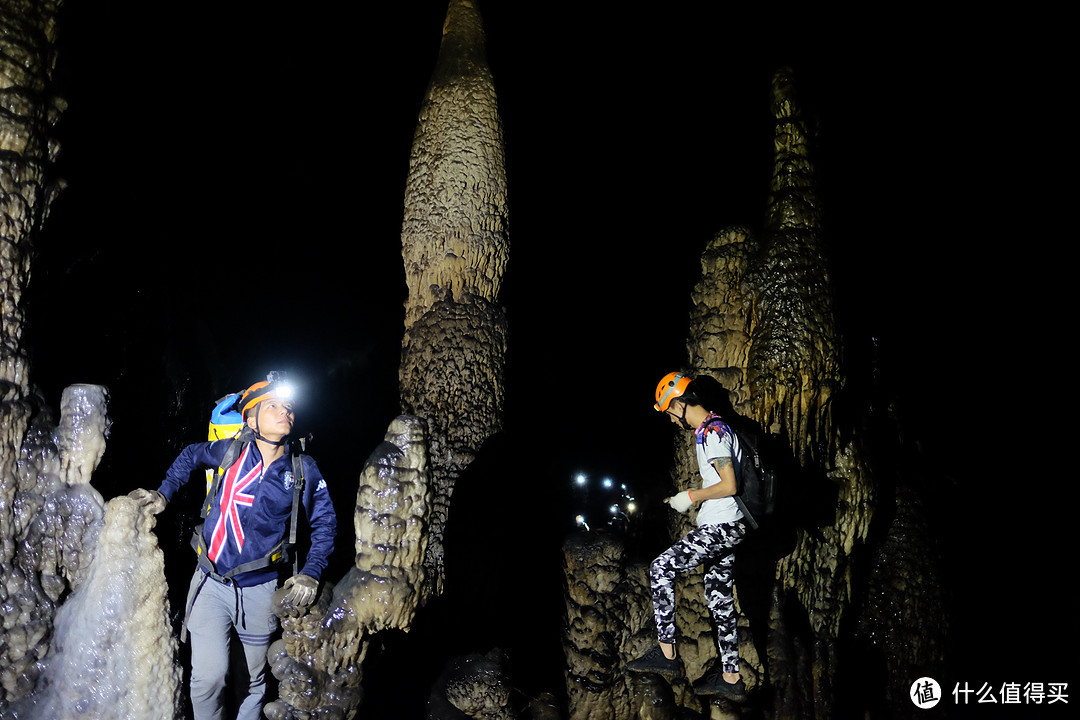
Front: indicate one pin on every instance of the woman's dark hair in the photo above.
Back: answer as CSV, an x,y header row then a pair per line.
x,y
707,392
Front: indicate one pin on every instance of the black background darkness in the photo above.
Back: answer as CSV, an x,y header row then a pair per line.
x,y
235,186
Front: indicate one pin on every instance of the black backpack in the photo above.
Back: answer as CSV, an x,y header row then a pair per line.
x,y
757,478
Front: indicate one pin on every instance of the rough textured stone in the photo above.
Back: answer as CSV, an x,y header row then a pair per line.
x,y
794,359
31,578
476,686
763,326
114,653
609,621
455,248
319,657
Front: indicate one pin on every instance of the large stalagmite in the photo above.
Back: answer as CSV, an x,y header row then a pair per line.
x,y
30,581
455,248
763,325
319,658
26,151
107,652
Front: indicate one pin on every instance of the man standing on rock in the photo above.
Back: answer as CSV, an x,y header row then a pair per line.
x,y
720,527
245,542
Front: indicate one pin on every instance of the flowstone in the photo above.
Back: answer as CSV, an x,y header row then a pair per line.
x,y
108,651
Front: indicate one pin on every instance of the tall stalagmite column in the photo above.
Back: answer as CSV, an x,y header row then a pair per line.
x,y
764,325
794,359
27,60
455,248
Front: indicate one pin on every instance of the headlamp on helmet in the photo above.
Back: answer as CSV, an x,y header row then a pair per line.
x,y
275,386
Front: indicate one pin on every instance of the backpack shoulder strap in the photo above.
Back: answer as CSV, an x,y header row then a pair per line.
x,y
296,449
232,454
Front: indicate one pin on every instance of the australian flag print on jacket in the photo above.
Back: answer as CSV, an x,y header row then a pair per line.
x,y
251,514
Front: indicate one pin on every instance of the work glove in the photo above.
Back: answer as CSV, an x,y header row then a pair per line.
x,y
302,590
151,501
680,502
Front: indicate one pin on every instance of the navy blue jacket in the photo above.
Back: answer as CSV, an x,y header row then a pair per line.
x,y
254,507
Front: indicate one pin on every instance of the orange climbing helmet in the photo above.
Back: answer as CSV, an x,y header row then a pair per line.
x,y
672,385
276,385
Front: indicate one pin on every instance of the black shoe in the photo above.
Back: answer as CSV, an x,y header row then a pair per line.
x,y
655,662
715,684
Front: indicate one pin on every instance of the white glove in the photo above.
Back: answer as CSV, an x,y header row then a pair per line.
x,y
151,501
302,590
681,502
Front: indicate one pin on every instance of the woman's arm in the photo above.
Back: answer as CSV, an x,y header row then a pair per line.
x,y
725,488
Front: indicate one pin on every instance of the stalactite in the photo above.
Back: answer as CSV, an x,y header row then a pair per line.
x,y
27,60
455,250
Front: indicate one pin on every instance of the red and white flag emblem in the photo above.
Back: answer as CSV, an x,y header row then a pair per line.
x,y
232,497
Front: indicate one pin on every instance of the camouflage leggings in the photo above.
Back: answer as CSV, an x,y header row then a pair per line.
x,y
713,545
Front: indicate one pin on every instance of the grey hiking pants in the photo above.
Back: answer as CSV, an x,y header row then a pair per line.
x,y
713,545
218,609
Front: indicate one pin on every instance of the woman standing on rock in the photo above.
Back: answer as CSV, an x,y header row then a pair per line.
x,y
720,527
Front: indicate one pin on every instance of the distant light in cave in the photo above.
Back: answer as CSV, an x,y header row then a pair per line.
x,y
605,498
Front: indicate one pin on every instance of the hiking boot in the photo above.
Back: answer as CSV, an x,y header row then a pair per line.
x,y
714,684
655,662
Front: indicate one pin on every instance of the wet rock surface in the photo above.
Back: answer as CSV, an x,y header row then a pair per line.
x,y
473,686
319,659
87,631
113,652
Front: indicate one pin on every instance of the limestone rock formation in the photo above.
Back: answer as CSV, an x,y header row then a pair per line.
x,y
319,658
108,651
763,326
114,653
30,575
455,249
474,686
86,615
54,522
27,60
609,621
